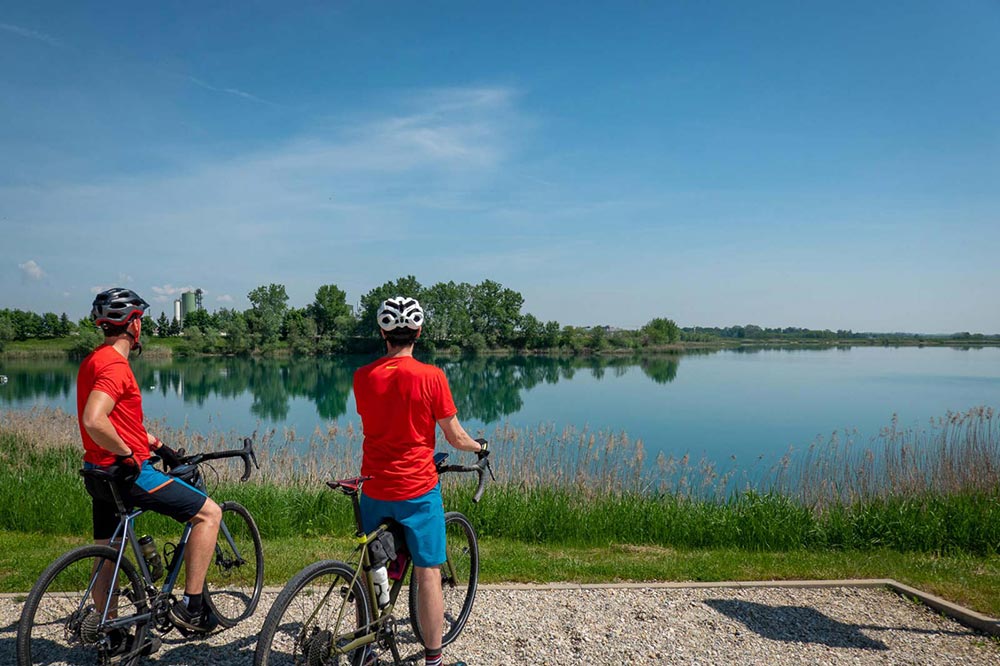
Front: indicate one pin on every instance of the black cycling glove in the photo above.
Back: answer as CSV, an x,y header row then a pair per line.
x,y
169,456
485,450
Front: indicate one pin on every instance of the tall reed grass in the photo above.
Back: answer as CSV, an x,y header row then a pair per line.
x,y
935,488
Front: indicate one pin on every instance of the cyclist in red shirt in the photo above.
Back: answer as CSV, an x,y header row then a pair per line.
x,y
109,410
401,402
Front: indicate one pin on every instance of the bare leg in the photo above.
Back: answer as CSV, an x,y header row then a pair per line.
x,y
201,546
430,605
103,584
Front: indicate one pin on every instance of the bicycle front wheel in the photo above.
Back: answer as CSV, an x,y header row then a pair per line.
x,y
236,575
322,609
459,579
61,619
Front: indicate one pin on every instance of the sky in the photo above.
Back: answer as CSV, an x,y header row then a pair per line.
x,y
819,164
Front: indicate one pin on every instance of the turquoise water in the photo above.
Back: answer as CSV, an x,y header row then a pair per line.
x,y
713,405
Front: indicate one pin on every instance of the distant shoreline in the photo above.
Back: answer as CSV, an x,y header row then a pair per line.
x,y
63,348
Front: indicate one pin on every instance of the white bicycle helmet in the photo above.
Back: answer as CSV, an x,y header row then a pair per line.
x,y
400,312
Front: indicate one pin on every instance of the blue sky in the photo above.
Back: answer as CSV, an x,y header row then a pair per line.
x,y
831,165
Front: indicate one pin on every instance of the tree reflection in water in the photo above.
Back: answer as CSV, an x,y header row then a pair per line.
x,y
486,388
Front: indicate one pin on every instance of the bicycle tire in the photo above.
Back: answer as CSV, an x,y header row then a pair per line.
x,y
459,579
304,613
235,577
59,621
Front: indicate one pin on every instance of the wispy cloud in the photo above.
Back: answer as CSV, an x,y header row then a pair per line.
x,y
229,91
31,271
224,298
345,184
31,34
167,292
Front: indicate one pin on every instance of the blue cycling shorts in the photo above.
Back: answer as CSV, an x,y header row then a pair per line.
x,y
422,519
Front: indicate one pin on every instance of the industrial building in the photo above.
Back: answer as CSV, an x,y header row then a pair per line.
x,y
188,302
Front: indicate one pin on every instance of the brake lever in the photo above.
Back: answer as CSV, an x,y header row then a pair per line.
x,y
248,447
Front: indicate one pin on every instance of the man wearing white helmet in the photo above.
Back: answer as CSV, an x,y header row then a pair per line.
x,y
401,402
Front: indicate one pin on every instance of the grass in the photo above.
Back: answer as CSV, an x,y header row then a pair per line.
x,y
922,507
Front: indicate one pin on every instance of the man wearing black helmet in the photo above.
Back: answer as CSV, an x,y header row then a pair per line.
x,y
109,410
402,402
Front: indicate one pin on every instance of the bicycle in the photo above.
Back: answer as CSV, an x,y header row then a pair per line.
x,y
69,617
328,612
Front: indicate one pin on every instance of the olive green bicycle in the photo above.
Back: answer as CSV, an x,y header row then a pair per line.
x,y
329,613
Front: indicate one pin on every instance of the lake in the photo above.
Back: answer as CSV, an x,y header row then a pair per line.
x,y
745,403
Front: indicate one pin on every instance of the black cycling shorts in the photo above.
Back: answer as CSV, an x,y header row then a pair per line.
x,y
152,490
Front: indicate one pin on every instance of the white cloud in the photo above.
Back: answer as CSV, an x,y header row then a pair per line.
x,y
30,34
30,270
224,298
229,91
335,191
167,292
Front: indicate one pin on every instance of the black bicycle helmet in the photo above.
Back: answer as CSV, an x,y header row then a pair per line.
x,y
117,306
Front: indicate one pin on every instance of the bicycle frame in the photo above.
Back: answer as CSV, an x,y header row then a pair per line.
x,y
125,534
380,616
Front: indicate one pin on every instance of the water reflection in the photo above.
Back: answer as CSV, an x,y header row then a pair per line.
x,y
486,388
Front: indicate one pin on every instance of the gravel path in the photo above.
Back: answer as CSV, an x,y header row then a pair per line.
x,y
705,626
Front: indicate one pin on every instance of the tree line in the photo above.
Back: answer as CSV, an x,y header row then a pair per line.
x,y
460,317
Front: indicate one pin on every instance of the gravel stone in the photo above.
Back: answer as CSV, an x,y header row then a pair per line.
x,y
691,626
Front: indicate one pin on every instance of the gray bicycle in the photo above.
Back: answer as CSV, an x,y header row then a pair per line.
x,y
96,605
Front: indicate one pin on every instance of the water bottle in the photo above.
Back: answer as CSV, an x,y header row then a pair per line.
x,y
153,563
380,578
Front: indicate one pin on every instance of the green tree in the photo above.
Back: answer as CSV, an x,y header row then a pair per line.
x,y
50,325
267,313
65,326
199,318
530,333
300,331
237,334
550,335
162,325
447,308
174,329
495,312
661,331
87,341
598,339
329,309
573,337
7,330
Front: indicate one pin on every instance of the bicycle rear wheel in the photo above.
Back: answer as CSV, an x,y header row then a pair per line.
x,y
318,610
236,575
61,619
459,579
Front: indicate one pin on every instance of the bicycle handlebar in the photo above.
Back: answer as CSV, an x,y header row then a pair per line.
x,y
480,468
246,453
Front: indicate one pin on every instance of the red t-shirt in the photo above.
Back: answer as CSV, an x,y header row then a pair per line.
x,y
108,371
400,401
